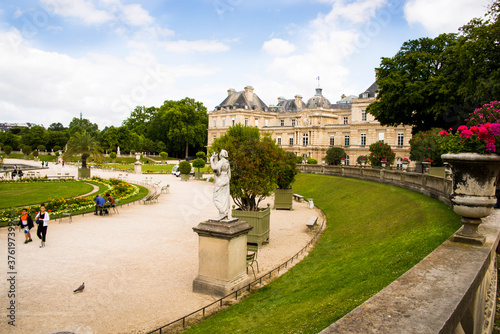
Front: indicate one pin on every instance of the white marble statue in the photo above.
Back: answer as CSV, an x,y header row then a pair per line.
x,y
222,174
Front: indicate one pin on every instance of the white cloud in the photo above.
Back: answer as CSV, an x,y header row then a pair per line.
x,y
278,47
440,16
202,46
18,13
135,15
79,9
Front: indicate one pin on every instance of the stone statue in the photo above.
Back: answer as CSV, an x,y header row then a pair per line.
x,y
222,174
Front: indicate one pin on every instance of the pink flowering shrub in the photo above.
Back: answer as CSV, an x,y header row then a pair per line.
x,y
488,113
482,138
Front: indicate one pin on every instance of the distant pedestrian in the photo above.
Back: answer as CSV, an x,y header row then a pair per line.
x,y
26,223
43,163
42,219
46,164
63,163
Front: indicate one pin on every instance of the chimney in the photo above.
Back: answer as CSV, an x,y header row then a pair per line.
x,y
249,93
280,99
342,96
231,91
376,74
298,101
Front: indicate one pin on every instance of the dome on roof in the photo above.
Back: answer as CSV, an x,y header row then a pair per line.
x,y
318,100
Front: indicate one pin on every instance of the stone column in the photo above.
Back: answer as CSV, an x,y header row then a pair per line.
x,y
222,257
138,164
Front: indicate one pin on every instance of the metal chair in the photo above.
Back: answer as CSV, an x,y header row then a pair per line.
x,y
252,251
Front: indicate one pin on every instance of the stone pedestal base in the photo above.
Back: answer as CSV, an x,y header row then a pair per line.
x,y
137,167
222,257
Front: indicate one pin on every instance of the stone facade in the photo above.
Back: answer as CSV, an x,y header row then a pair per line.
x,y
310,129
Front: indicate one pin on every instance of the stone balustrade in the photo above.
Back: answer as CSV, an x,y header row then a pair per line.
x,y
452,290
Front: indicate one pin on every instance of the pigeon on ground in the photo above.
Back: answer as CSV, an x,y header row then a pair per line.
x,y
80,288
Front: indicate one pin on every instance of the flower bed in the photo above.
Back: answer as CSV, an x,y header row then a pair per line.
x,y
120,190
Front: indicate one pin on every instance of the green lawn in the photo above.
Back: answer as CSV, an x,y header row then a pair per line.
x,y
375,233
29,193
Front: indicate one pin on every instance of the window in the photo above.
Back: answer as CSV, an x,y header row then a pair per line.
x,y
363,139
293,122
363,115
290,141
332,140
266,122
215,123
257,122
346,140
282,122
279,140
381,137
246,121
223,122
305,139
346,120
232,121
347,160
215,136
401,138
364,95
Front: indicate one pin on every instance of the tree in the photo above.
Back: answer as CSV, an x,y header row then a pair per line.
x,y
164,156
426,144
34,136
26,149
41,148
57,139
180,124
381,151
438,82
7,149
287,170
82,143
198,163
83,124
139,119
112,155
254,161
334,155
56,127
184,167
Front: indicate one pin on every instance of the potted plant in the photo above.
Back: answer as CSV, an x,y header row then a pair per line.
x,y
361,160
405,163
472,155
198,163
112,155
283,195
254,161
164,156
82,143
185,169
426,165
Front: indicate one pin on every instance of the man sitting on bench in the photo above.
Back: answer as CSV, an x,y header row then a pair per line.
x,y
99,204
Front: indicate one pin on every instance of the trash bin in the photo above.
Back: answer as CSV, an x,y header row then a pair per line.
x,y
311,204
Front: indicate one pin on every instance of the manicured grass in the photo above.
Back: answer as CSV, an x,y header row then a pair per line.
x,y
30,193
375,233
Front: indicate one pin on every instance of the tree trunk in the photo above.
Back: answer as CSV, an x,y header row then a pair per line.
x,y
186,149
84,160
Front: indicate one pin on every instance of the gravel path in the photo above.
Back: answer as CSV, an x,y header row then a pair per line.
x,y
138,266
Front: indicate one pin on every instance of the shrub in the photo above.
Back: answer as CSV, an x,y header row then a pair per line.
x,y
200,155
381,151
112,155
35,153
334,155
312,161
184,167
41,148
163,155
488,113
427,144
26,150
299,159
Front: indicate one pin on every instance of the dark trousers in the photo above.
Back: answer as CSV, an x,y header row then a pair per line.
x,y
41,232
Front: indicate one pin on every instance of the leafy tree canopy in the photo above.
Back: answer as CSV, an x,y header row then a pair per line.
x,y
81,125
334,155
437,82
139,119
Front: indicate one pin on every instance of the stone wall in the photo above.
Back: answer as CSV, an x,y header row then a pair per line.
x,y
452,290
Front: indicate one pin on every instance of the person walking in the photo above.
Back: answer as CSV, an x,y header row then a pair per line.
x,y
42,219
26,223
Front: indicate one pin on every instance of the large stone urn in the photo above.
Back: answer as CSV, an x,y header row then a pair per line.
x,y
473,191
259,220
426,167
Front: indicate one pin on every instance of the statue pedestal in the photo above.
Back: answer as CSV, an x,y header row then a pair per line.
x,y
137,167
222,257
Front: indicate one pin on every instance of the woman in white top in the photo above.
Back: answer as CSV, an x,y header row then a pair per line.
x,y
42,219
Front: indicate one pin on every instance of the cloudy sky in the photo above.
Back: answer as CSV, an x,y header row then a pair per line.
x,y
101,58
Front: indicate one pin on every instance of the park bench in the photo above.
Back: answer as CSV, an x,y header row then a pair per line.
x,y
311,223
165,189
60,176
298,197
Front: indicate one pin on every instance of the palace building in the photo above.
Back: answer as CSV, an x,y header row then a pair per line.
x,y
309,129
